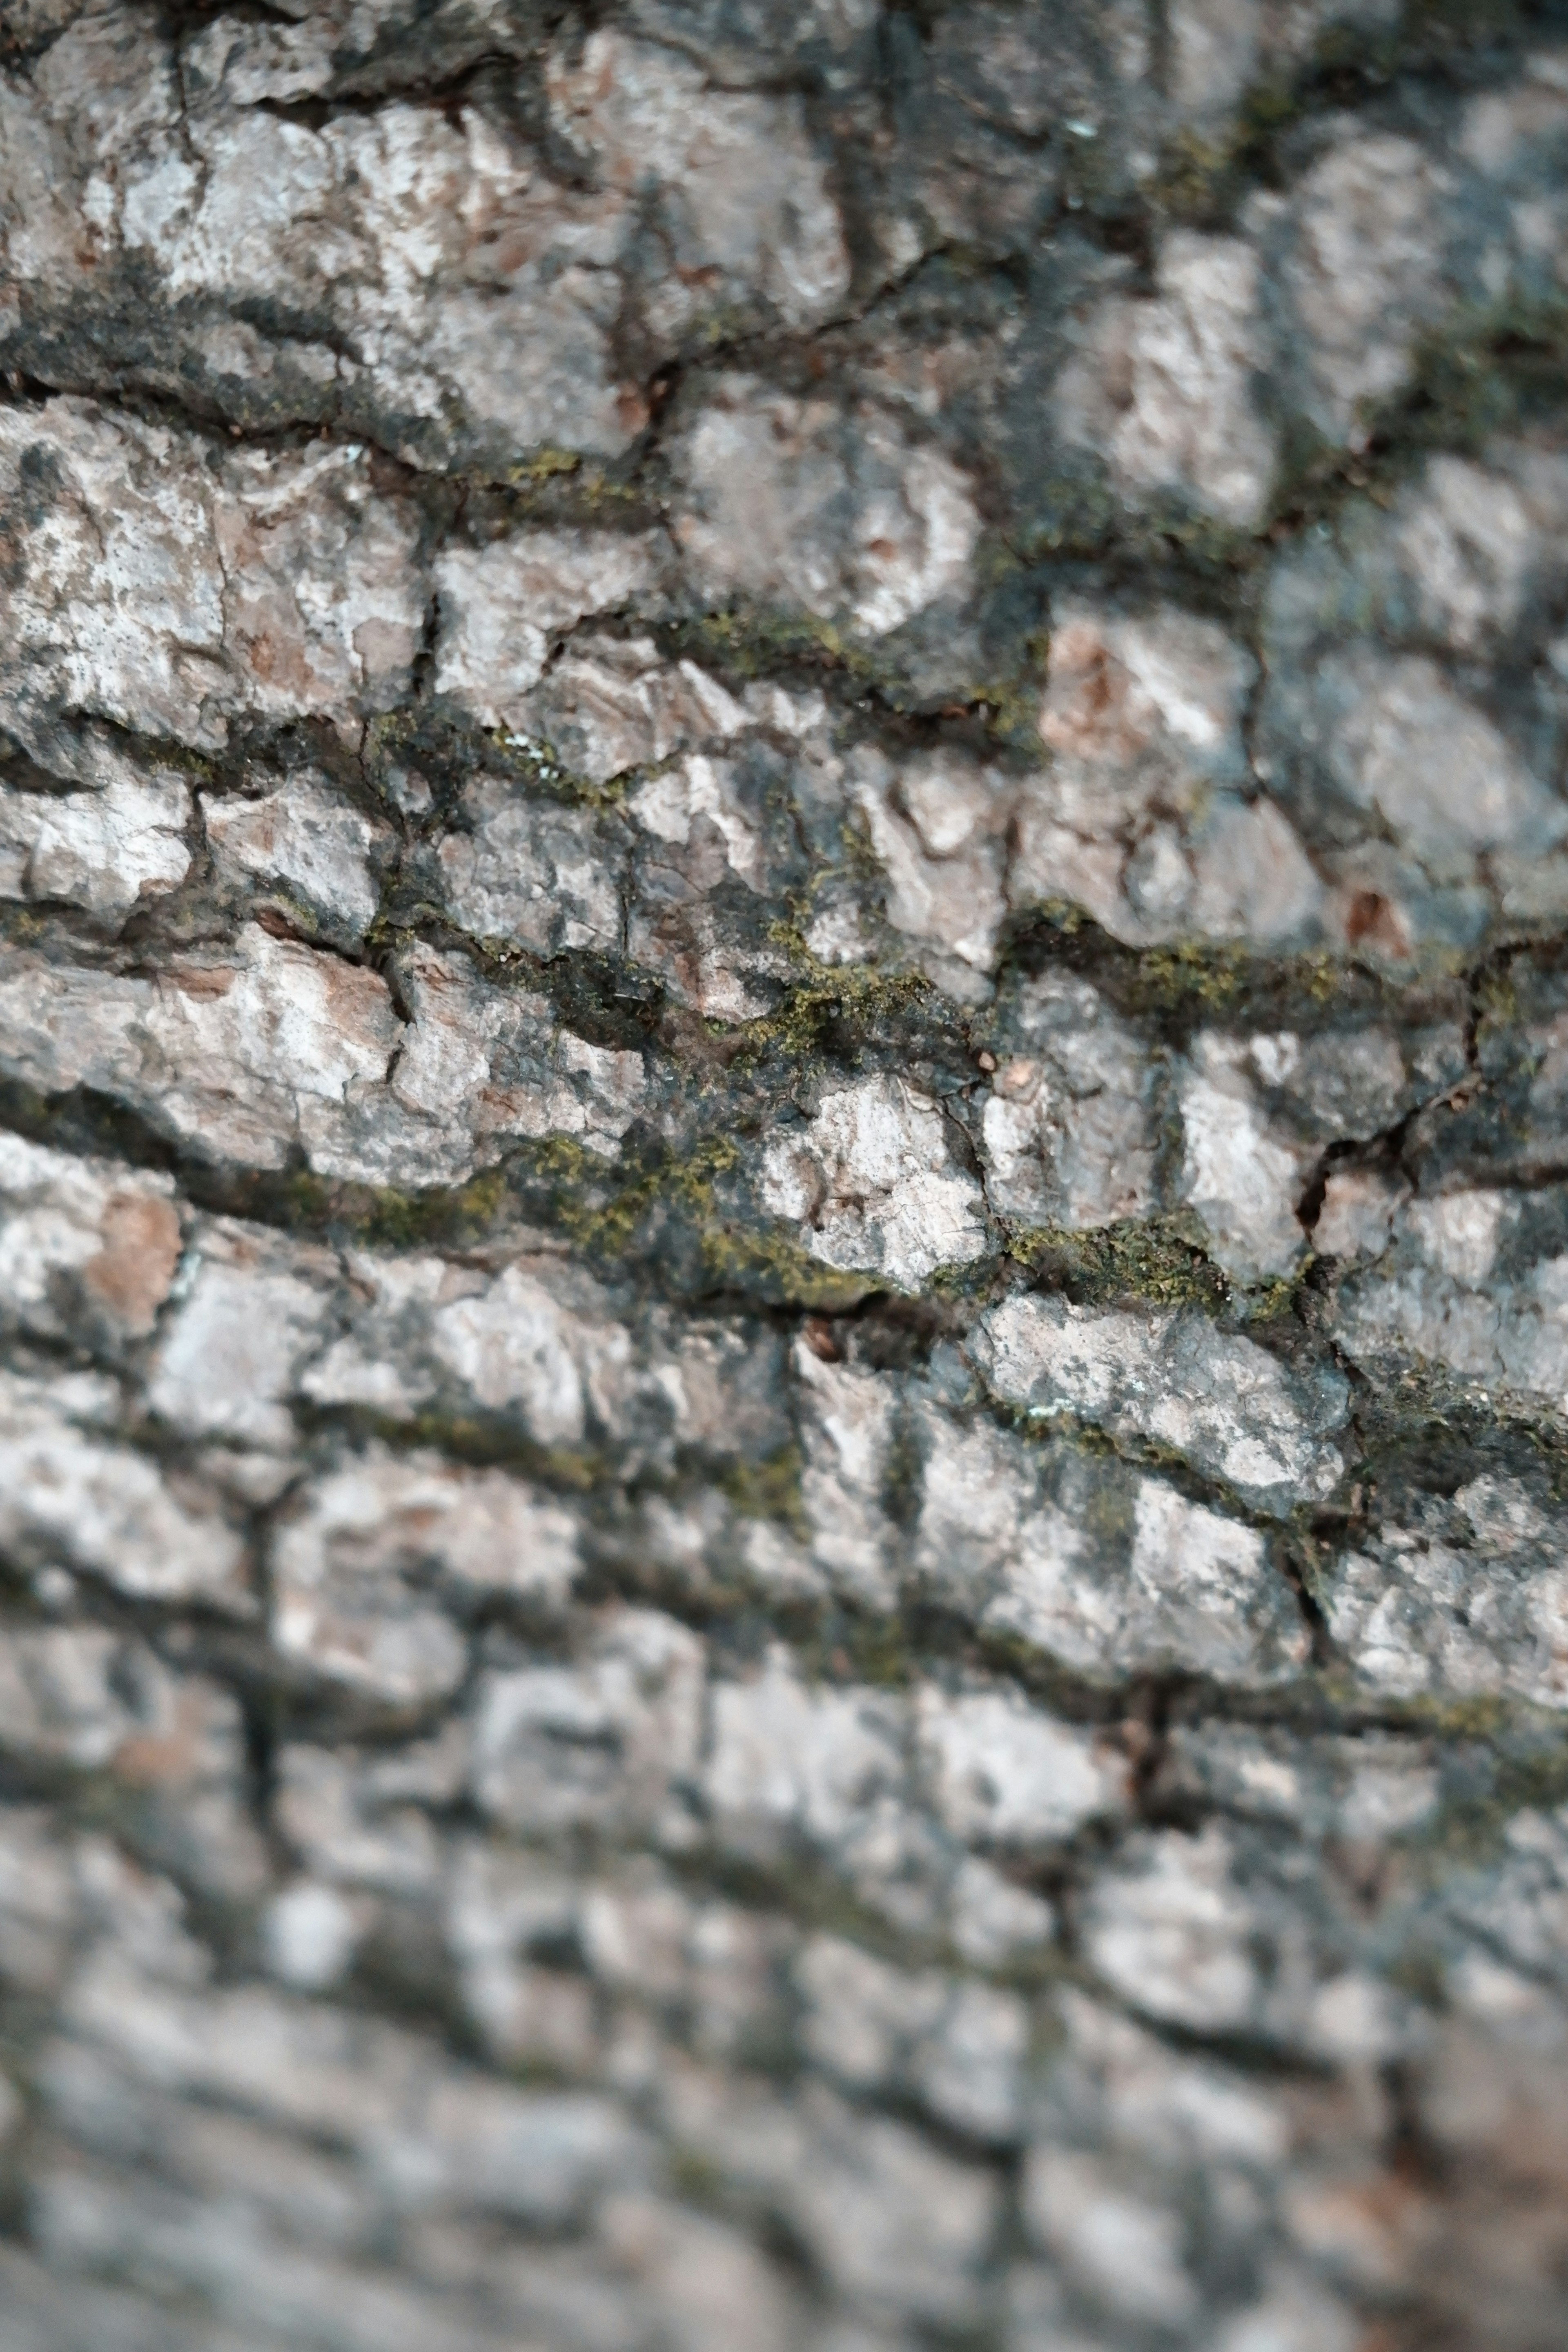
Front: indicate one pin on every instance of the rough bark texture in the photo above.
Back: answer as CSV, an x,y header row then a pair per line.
x,y
783,1176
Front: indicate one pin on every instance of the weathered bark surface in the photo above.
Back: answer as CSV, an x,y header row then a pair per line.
x,y
783,1176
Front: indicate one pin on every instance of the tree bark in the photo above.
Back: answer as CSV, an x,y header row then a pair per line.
x,y
783,1251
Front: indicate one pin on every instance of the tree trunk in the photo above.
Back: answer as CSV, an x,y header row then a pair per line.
x,y
784,1243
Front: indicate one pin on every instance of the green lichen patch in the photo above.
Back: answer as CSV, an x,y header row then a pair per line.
x,y
1206,979
439,1217
774,1270
751,641
553,485
601,1210
1158,1259
1419,1422
1186,984
546,464
769,1489
833,1009
450,749
1074,518
1482,371
484,1441
679,1215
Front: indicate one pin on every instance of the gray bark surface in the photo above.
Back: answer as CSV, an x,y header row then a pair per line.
x,y
783,1176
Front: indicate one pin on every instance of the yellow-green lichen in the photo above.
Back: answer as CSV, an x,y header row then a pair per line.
x,y
384,1216
754,640
1270,1301
770,1266
855,998
601,1212
1159,1258
769,1489
1481,370
488,1441
544,465
444,1217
